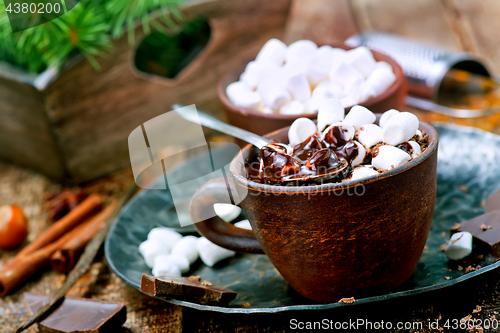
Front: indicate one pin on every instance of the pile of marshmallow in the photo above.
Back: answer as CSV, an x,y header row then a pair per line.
x,y
294,80
380,143
168,253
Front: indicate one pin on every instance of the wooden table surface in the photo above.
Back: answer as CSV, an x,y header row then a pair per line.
x,y
455,24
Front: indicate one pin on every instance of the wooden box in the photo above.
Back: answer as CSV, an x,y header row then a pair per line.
x,y
74,124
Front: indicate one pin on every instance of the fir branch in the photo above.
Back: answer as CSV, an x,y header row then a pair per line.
x,y
88,28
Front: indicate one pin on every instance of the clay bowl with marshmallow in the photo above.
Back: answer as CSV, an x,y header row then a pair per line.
x,y
332,240
263,123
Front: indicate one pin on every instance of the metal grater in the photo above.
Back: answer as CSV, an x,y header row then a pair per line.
x,y
424,66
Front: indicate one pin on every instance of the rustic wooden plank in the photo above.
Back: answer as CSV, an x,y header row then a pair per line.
x,y
425,21
25,134
94,112
322,21
477,23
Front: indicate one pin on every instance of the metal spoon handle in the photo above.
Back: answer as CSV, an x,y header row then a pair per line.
x,y
204,119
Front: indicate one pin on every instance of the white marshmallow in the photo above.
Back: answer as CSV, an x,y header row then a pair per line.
x,y
267,110
347,129
179,260
166,236
363,92
227,212
417,150
348,101
359,116
386,116
210,253
150,249
338,56
381,79
256,71
298,87
361,155
383,64
240,95
323,90
300,50
317,70
363,171
389,157
264,109
328,89
400,128
459,246
187,247
330,111
292,108
345,75
272,94
325,55
166,268
301,129
293,68
355,88
362,59
244,224
273,51
369,135
419,135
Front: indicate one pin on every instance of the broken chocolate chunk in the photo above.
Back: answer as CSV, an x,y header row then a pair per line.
x,y
492,202
185,289
489,237
79,315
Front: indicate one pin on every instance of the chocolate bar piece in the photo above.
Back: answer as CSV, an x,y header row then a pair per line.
x,y
492,202
484,228
79,315
185,288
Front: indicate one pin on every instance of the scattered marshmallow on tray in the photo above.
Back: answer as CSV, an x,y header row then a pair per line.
x,y
303,73
459,246
243,224
176,259
227,212
166,236
179,260
150,249
211,253
166,268
187,247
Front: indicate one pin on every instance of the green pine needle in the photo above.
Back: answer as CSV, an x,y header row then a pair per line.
x,y
88,28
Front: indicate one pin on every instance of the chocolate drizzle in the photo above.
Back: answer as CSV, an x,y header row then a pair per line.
x,y
335,137
312,158
406,147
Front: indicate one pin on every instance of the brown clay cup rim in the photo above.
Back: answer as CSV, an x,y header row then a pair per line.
x,y
221,88
433,143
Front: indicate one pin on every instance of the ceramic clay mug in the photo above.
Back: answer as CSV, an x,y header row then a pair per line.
x,y
332,240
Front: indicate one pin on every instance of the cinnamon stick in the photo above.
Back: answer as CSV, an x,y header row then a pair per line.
x,y
64,258
61,227
82,265
21,268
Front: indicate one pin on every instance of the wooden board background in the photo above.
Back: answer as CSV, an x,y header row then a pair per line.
x,y
457,24
93,112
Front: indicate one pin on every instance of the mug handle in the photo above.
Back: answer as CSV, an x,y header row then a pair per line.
x,y
216,229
